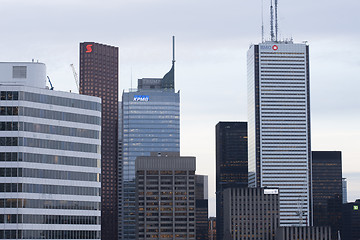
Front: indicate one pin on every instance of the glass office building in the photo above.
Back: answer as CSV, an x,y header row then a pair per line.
x,y
279,126
231,164
327,190
49,158
150,122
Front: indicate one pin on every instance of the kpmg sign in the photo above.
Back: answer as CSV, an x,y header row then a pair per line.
x,y
141,98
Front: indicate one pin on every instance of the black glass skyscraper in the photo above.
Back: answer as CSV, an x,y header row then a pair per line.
x,y
231,163
351,221
327,189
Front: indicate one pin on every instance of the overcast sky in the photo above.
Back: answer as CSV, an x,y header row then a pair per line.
x,y
212,38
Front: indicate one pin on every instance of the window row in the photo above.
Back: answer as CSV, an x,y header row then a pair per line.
x,y
49,144
49,189
9,95
48,114
48,234
60,101
49,129
49,174
48,204
48,159
49,219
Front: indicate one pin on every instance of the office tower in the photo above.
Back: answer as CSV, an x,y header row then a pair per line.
x,y
201,204
344,190
351,221
231,163
251,212
165,186
49,158
212,228
99,77
150,123
303,233
327,189
279,125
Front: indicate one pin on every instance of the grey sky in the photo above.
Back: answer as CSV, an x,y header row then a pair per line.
x,y
212,38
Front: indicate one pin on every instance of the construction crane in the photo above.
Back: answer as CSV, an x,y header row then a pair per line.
x,y
51,86
75,76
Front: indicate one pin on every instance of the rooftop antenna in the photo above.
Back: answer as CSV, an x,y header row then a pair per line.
x,y
276,20
262,20
272,21
173,61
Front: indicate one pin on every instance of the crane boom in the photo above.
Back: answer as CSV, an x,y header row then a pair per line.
x,y
51,86
75,76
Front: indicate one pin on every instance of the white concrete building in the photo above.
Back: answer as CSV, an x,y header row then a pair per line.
x,y
279,125
49,158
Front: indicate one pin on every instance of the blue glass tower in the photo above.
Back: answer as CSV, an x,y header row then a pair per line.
x,y
150,122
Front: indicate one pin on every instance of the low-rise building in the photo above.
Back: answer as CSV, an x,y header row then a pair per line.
x,y
251,213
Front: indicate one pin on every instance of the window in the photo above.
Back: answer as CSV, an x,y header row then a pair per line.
x,y
19,71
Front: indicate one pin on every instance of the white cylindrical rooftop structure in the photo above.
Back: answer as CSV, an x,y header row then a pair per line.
x,y
31,74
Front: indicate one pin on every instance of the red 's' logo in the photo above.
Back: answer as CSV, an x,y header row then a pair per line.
x,y
88,48
275,47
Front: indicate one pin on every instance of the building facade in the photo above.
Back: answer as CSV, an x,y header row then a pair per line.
x,y
327,189
251,213
303,233
344,190
49,158
351,221
99,77
212,228
201,204
279,126
150,123
231,163
165,200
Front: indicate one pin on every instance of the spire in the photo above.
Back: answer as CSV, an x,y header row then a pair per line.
x,y
272,35
168,81
276,20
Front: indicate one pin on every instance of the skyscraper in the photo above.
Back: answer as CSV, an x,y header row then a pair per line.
x,y
231,163
150,123
279,125
49,158
327,189
99,77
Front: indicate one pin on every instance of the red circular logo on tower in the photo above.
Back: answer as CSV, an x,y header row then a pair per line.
x,y
275,47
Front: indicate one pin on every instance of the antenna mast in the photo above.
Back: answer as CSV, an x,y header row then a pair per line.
x,y
276,20
272,21
173,60
262,20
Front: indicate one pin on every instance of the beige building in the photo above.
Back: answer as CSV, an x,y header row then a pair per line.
x,y
251,213
165,184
